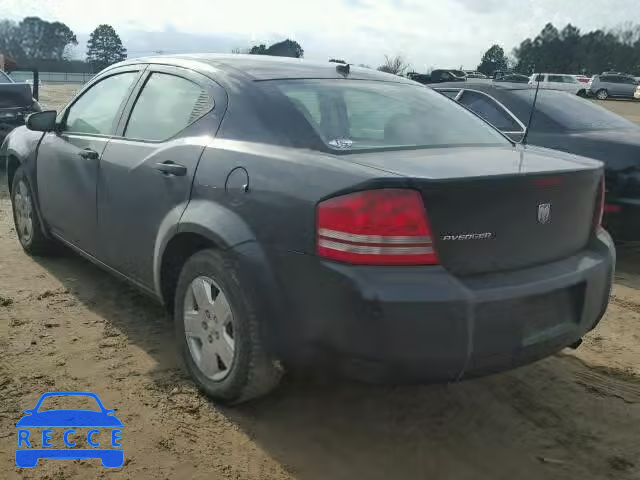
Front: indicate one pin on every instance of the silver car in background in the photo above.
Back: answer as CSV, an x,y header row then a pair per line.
x,y
559,81
614,85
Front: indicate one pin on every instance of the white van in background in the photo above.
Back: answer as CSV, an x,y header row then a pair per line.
x,y
559,81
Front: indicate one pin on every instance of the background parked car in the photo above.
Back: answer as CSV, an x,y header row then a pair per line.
x,y
559,81
436,76
475,74
566,122
613,85
582,78
513,78
16,102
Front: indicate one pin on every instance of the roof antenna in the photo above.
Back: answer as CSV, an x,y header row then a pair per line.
x,y
343,68
533,107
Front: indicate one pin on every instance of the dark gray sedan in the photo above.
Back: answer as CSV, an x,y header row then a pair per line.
x,y
292,213
571,124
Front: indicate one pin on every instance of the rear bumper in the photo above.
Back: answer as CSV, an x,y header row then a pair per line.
x,y
421,323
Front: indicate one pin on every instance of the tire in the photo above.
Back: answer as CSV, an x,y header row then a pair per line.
x,y
251,371
602,94
26,219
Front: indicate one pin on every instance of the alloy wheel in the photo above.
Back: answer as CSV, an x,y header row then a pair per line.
x,y
24,212
209,328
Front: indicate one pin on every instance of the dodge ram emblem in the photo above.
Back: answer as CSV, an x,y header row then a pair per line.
x,y
544,213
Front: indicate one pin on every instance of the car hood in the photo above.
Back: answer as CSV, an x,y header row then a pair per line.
x,y
455,162
69,418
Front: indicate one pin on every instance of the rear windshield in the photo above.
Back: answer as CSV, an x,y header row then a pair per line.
x,y
357,114
572,112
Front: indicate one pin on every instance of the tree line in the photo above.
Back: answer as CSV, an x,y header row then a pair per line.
x,y
570,51
36,43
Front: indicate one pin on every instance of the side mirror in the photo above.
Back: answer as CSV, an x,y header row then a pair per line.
x,y
42,121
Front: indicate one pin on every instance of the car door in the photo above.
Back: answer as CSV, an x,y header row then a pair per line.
x,y
69,158
493,112
147,169
555,82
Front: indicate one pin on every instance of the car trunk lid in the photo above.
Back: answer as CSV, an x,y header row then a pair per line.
x,y
497,209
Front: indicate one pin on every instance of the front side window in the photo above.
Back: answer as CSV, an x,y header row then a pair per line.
x,y
95,111
166,105
488,109
358,114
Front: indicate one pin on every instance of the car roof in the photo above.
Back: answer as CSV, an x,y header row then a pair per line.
x,y
266,67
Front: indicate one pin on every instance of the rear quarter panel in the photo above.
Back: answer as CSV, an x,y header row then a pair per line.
x,y
277,206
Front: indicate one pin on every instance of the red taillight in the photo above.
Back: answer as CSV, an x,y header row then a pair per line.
x,y
375,227
599,212
612,208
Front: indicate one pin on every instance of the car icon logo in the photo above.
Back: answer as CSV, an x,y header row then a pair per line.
x,y
96,421
544,213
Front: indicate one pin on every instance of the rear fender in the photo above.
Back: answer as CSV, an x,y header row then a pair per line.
x,y
22,145
221,226
227,231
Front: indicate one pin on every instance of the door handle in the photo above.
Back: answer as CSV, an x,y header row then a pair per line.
x,y
89,154
171,168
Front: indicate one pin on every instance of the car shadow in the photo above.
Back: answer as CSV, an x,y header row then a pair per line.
x,y
536,422
144,321
628,264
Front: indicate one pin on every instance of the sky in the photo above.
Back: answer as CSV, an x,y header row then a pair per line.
x,y
427,33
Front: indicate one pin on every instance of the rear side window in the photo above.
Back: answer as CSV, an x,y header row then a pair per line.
x,y
166,105
359,114
95,111
491,111
556,78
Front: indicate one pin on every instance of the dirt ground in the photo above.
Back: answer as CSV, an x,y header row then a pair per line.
x,y
66,325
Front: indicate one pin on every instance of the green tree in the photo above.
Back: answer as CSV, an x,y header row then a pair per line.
x,y
104,47
35,39
258,49
492,60
570,51
10,44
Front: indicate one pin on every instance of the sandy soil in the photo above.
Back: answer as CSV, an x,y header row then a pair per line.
x,y
65,324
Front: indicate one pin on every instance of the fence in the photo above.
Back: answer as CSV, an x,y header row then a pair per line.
x,y
53,77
